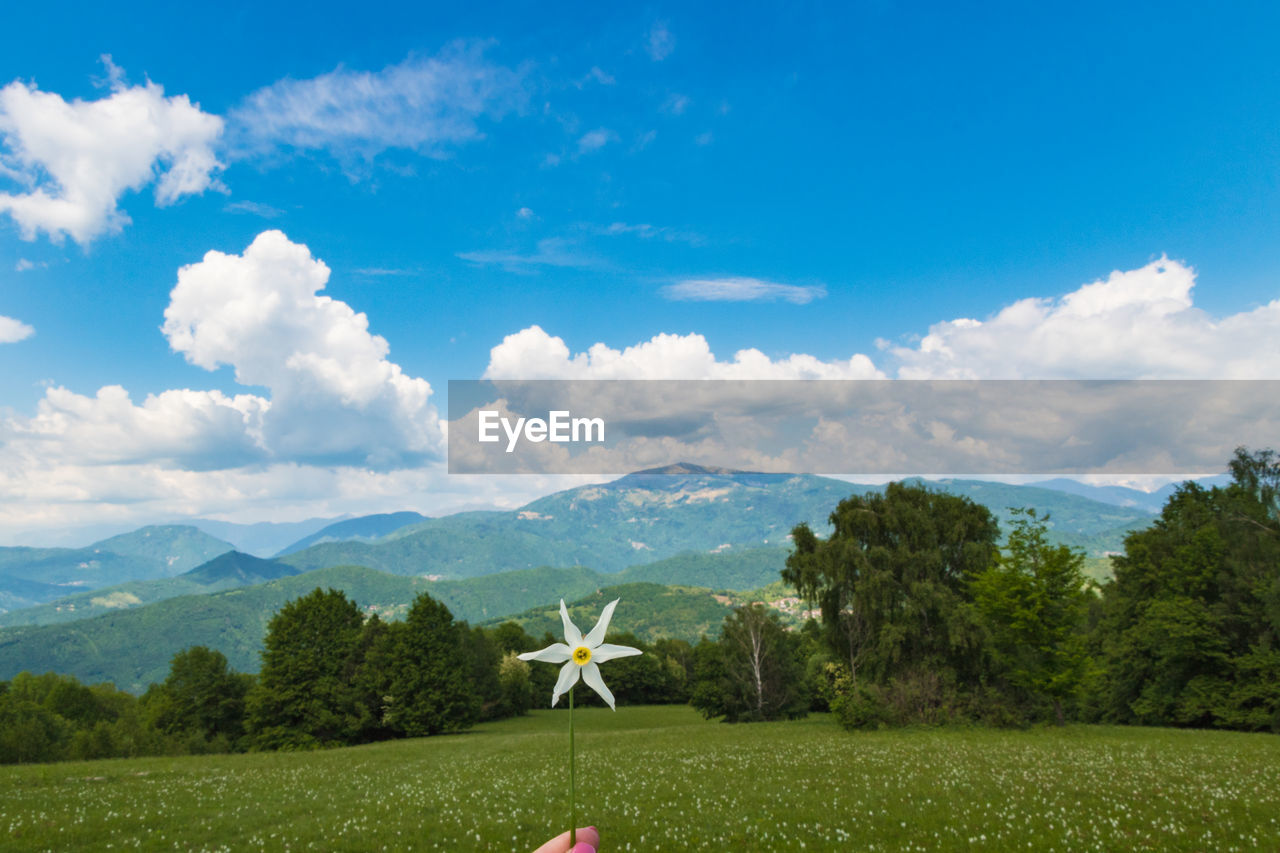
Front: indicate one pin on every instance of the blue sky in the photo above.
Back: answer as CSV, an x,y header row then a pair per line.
x,y
849,184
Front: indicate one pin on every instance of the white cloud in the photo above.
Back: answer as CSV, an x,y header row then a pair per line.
x,y
1139,324
549,252
334,394
266,211
594,140
525,213
333,397
196,430
426,105
661,42
740,289
533,354
645,231
12,331
75,160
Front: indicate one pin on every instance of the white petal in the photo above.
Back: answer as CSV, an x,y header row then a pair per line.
x,y
596,637
591,675
568,678
608,651
572,635
554,653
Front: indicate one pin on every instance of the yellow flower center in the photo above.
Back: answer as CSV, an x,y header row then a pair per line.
x,y
581,655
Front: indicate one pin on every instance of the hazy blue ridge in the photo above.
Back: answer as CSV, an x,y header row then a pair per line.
x,y
365,527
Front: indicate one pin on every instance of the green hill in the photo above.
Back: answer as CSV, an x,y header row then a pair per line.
x,y
364,528
732,568
648,610
133,647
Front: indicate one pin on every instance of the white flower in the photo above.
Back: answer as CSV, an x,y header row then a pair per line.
x,y
580,655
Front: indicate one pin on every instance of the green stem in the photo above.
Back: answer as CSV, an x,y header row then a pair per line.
x,y
573,816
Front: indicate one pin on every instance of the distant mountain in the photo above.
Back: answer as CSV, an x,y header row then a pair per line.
x,y
226,571
264,538
477,598
240,569
683,513
364,528
653,515
1124,496
176,547
17,593
150,552
638,519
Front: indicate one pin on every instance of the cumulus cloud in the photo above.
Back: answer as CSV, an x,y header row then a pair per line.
x,y
12,331
737,289
75,160
334,395
1139,324
429,105
197,430
533,354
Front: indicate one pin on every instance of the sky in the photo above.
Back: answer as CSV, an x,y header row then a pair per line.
x,y
243,248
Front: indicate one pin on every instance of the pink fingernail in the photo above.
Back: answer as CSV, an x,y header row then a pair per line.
x,y
582,847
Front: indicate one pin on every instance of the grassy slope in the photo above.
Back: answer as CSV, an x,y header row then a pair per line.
x,y
650,611
657,779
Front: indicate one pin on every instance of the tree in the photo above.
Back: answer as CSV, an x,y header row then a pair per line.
x,y
892,581
201,696
305,694
753,673
1190,633
1032,601
431,689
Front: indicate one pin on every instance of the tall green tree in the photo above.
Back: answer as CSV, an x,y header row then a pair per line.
x,y
306,693
202,696
431,690
1033,602
892,581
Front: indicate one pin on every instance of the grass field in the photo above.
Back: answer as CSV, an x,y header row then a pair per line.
x,y
662,779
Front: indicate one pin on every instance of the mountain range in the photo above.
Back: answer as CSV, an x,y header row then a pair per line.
x,y
637,519
121,607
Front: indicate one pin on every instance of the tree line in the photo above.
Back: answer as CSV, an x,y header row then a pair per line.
x,y
330,676
926,620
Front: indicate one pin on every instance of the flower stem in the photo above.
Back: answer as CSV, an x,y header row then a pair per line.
x,y
573,816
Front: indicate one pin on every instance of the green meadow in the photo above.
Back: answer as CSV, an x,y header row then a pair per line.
x,y
661,778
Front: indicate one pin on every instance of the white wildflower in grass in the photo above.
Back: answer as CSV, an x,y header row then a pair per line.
x,y
581,657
